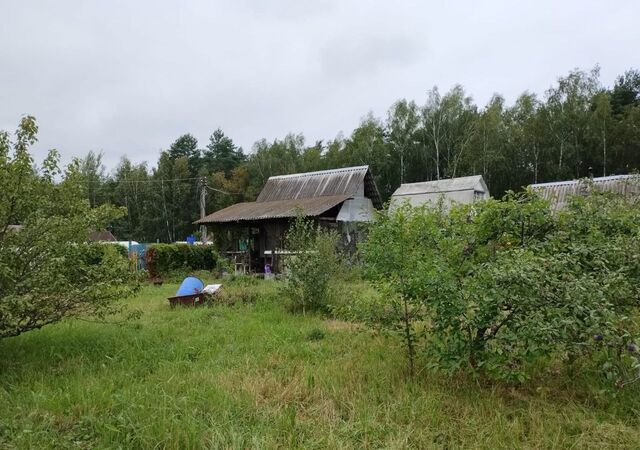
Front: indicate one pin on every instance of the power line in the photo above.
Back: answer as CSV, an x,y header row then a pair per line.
x,y
144,181
223,192
108,185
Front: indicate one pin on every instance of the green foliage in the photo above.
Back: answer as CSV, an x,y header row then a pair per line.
x,y
576,127
312,266
47,270
97,252
119,249
316,334
222,155
247,376
186,148
506,287
164,258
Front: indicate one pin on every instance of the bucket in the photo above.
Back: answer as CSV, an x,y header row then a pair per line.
x,y
190,286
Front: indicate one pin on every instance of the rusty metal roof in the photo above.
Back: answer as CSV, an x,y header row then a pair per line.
x,y
345,181
250,211
311,193
559,192
102,236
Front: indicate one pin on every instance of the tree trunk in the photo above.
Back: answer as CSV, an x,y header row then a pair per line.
x,y
408,336
401,166
484,151
535,163
604,152
561,154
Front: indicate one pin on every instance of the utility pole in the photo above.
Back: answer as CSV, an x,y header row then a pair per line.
x,y
203,203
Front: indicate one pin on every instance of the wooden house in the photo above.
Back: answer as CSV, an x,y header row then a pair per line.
x,y
337,199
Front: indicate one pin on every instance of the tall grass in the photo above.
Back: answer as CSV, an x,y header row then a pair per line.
x,y
251,375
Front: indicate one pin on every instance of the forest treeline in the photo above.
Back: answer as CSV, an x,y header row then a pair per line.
x,y
576,127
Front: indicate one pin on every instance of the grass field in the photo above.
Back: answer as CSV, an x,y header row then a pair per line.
x,y
255,376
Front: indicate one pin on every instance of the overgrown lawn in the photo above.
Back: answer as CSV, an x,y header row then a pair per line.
x,y
252,375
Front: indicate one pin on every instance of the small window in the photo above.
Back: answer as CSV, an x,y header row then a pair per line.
x,y
477,195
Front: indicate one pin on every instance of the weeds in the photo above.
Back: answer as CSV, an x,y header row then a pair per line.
x,y
252,376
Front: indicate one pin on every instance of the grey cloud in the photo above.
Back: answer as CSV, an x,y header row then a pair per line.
x,y
130,77
355,55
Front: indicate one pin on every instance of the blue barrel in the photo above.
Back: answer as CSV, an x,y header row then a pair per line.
x,y
190,286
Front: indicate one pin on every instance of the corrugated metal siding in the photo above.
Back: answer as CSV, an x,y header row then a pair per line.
x,y
250,211
320,184
560,192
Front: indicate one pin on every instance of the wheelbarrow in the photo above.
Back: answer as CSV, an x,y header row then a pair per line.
x,y
186,300
189,293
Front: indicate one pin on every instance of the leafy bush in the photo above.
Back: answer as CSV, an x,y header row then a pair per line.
x,y
119,249
47,271
501,287
94,253
311,268
164,258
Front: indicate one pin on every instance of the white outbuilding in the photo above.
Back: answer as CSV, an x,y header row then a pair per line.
x,y
462,190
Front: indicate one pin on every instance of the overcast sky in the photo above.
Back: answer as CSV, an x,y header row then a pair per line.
x,y
128,77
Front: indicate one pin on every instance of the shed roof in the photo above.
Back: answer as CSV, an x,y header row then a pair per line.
x,y
474,182
312,193
559,192
277,209
321,184
102,236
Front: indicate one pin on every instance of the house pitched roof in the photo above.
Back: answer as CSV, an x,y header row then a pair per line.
x,y
559,192
474,182
277,209
311,193
320,184
101,236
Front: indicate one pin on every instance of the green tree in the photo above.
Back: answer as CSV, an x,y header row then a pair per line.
x,y
575,126
504,288
391,264
626,91
131,189
311,158
524,150
186,146
449,125
47,269
313,265
568,110
368,145
490,139
601,118
403,123
94,172
277,158
222,155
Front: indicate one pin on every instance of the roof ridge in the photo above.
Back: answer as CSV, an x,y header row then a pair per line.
x,y
319,172
577,180
441,179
